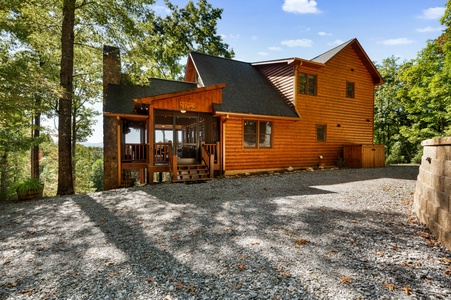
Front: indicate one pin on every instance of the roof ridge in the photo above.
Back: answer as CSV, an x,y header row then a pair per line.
x,y
334,50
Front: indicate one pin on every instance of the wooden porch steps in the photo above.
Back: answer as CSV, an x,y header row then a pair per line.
x,y
191,173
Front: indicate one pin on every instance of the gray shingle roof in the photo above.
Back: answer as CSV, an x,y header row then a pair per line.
x,y
120,97
247,89
323,58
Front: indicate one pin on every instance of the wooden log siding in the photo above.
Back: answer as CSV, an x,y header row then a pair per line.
x,y
348,120
200,100
281,77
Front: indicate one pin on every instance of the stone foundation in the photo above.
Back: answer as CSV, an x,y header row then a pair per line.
x,y
432,202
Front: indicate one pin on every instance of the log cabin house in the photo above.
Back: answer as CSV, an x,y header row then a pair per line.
x,y
230,117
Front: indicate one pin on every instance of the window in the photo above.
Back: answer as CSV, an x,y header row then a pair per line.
x,y
350,86
321,132
307,84
257,134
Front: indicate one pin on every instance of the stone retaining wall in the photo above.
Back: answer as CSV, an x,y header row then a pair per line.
x,y
432,202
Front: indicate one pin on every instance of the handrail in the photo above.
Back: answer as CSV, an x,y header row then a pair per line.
x,y
209,159
134,152
213,149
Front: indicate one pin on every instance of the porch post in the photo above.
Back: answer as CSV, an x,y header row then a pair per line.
x,y
151,144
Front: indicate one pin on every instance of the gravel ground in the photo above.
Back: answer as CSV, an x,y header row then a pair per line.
x,y
331,234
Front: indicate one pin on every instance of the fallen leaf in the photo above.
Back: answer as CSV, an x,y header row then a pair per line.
x,y
331,252
29,292
289,233
427,281
243,257
223,272
301,242
395,248
406,264
150,279
237,286
241,266
255,243
407,290
8,262
445,260
192,289
381,254
447,272
390,286
345,279
179,284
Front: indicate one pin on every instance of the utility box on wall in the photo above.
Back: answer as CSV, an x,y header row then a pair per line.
x,y
364,156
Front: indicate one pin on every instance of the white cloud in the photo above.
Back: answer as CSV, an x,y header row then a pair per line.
x,y
433,13
275,49
254,37
335,43
430,29
230,36
263,53
298,43
396,42
162,10
300,6
322,33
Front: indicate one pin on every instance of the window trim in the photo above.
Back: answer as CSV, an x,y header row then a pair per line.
x,y
307,85
258,134
324,127
348,84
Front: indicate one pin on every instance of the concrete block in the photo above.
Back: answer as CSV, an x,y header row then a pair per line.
x,y
447,168
437,166
441,200
447,185
429,152
437,182
431,210
444,219
447,240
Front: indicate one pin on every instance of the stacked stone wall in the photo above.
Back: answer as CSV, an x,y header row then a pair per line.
x,y
432,202
110,159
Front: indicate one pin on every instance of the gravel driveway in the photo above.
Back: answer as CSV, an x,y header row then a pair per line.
x,y
331,234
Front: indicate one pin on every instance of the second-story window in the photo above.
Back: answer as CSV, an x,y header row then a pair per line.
x,y
350,87
307,84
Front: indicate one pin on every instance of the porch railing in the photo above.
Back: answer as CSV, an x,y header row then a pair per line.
x,y
134,152
209,159
162,152
213,149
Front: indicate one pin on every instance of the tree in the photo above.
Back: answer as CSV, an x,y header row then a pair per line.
x,y
67,36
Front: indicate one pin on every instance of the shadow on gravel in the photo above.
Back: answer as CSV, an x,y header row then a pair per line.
x,y
271,238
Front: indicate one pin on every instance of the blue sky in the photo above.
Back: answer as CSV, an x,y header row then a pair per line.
x,y
270,29
261,30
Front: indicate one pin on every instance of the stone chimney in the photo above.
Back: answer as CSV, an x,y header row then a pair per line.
x,y
111,75
111,68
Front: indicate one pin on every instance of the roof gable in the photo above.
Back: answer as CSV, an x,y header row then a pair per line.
x,y
247,90
120,97
354,43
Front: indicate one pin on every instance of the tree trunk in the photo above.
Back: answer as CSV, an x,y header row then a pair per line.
x,y
3,188
35,150
65,182
74,146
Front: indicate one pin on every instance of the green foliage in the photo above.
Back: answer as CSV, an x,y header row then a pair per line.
x,y
97,175
26,185
414,104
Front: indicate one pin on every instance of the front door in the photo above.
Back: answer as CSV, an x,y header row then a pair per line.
x,y
186,137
